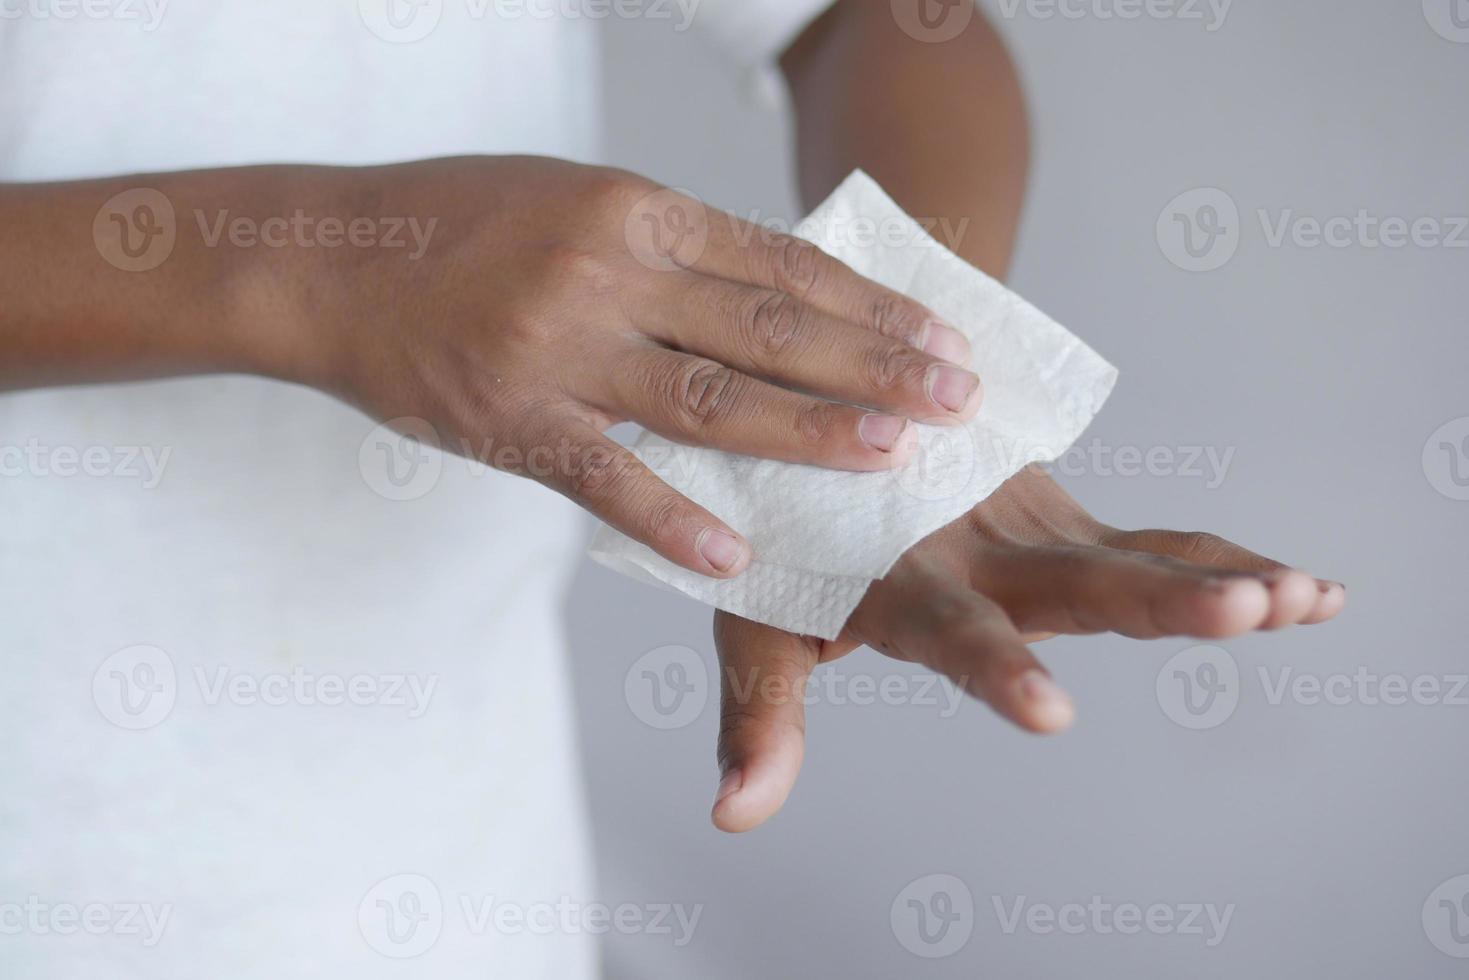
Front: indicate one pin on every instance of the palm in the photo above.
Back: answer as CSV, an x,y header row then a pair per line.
x,y
1026,564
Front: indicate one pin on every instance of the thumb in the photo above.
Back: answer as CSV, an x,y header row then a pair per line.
x,y
762,718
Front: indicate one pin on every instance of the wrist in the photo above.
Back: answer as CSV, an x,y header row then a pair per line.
x,y
267,280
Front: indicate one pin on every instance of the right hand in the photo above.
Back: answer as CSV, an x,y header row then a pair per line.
x,y
544,310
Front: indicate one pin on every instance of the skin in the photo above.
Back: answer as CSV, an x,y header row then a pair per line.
x,y
1027,563
545,310
541,312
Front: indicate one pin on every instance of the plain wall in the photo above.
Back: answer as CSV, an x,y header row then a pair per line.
x,y
1323,370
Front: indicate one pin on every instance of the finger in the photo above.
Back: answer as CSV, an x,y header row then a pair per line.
x,y
716,243
1331,599
932,619
1080,589
747,253
762,719
777,336
613,484
693,400
1295,596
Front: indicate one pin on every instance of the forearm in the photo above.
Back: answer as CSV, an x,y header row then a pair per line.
x,y
941,126
91,293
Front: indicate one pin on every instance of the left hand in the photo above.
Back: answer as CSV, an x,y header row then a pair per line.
x,y
1026,564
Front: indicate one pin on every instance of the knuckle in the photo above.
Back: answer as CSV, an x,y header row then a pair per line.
x,y
704,392
895,367
736,724
742,722
599,472
572,265
1070,564
954,619
1155,618
794,264
736,719
663,520
528,329
896,317
774,321
814,422
1201,546
614,189
485,403
940,615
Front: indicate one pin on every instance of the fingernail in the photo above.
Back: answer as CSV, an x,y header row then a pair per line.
x,y
1325,586
722,551
942,340
1046,698
729,785
951,388
882,432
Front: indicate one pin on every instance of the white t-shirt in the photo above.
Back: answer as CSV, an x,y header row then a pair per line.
x,y
283,694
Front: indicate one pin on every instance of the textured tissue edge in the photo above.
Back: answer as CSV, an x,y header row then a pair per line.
x,y
759,593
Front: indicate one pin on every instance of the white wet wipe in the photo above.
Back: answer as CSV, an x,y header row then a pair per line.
x,y
821,537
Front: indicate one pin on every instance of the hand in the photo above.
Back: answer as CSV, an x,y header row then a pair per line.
x,y
1026,564
555,300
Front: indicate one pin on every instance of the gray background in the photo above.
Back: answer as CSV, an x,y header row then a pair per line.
x,y
1325,369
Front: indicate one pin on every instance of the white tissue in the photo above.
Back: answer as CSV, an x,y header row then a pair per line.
x,y
821,537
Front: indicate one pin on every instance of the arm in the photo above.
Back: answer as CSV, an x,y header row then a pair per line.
x,y
942,126
71,316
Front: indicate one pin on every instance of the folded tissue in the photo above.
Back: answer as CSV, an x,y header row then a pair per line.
x,y
821,537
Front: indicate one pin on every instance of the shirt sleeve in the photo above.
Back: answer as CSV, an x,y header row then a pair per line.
x,y
752,34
